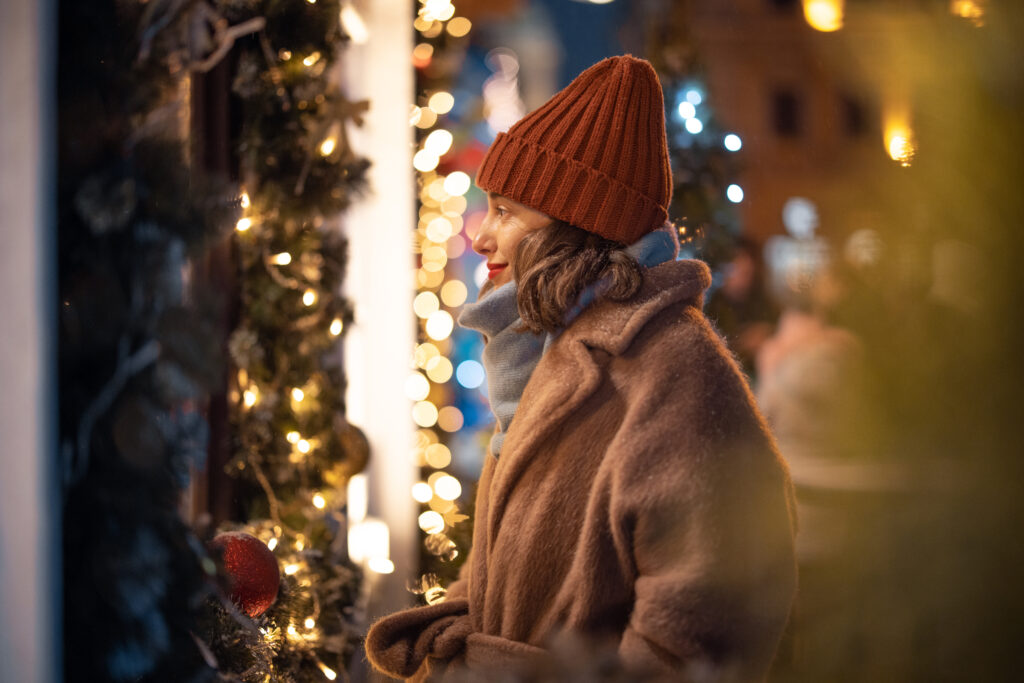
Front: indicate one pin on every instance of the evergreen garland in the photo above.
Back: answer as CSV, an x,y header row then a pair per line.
x,y
291,445
136,357
139,353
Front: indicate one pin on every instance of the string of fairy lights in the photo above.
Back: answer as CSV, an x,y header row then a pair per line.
x,y
437,241
292,442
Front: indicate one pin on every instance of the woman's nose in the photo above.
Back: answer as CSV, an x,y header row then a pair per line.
x,y
483,242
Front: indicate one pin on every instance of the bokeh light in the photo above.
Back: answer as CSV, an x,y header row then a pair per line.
x,y
425,305
417,388
421,492
431,522
438,142
440,325
438,456
441,102
457,183
459,26
450,419
424,414
470,374
448,487
454,293
439,369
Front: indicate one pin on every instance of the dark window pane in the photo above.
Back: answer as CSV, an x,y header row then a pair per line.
x,y
787,117
855,121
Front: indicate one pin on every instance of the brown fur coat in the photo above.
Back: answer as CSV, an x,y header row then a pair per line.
x,y
639,500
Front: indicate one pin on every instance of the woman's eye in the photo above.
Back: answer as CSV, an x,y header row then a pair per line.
x,y
501,211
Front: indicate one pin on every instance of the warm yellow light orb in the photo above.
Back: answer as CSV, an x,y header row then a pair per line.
x,y
425,160
319,502
435,190
354,25
381,565
327,146
243,224
329,673
440,325
435,257
439,229
424,414
425,305
293,437
428,278
423,52
423,353
438,456
457,183
968,9
309,297
441,102
438,142
336,326
302,445
428,117
431,522
417,388
448,487
901,149
298,395
421,492
454,293
453,206
439,370
824,15
459,26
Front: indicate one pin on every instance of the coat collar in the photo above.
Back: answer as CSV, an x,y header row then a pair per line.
x,y
611,325
569,373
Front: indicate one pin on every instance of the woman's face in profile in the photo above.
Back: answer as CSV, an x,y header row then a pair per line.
x,y
506,223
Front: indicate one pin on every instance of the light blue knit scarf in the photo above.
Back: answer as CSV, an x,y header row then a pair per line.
x,y
510,356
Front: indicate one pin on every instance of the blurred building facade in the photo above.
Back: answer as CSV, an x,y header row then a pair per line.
x,y
810,127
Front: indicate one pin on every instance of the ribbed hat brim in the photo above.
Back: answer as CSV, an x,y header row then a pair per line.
x,y
594,155
572,192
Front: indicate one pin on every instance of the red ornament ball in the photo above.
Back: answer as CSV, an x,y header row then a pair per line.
x,y
252,570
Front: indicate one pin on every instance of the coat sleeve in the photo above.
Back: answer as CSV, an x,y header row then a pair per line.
x,y
403,644
702,504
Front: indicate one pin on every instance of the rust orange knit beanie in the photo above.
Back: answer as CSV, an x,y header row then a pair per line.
x,y
594,155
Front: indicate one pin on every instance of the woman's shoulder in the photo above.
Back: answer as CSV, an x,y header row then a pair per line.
x,y
668,292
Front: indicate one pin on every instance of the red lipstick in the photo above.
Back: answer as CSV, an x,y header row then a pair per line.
x,y
493,269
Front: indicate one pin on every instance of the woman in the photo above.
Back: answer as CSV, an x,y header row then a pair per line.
x,y
632,495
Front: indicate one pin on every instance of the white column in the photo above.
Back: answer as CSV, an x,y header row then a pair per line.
x,y
380,282
30,647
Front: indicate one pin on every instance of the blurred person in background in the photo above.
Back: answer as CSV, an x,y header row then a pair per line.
x,y
740,307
